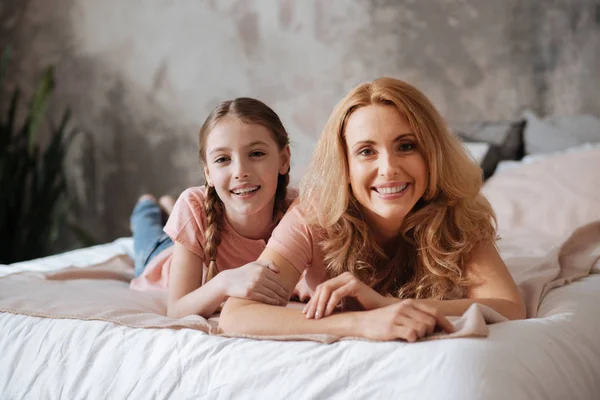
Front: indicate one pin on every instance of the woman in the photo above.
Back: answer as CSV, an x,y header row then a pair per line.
x,y
390,215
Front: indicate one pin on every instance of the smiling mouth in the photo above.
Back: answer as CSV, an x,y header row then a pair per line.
x,y
391,190
245,191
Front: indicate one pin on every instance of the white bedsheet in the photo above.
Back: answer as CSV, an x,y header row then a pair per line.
x,y
556,356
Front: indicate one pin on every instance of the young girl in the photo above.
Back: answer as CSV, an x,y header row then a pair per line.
x,y
215,229
390,216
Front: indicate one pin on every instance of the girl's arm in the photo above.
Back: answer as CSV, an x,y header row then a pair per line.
x,y
241,316
188,296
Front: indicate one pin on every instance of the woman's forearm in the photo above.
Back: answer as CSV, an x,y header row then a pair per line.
x,y
241,316
203,301
508,309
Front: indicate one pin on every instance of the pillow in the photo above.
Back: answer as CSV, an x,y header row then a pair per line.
x,y
505,139
478,150
533,158
550,197
559,132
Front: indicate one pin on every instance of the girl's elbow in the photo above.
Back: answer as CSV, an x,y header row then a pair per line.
x,y
228,319
172,313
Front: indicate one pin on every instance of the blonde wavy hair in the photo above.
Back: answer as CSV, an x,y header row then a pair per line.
x,y
438,234
249,111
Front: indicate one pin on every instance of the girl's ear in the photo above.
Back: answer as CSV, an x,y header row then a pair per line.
x,y
207,176
285,156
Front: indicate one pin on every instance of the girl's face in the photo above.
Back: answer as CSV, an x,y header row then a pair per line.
x,y
387,171
243,163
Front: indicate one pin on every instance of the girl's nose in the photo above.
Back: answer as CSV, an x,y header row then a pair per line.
x,y
241,170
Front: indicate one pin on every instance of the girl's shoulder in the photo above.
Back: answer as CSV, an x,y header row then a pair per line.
x,y
192,201
194,194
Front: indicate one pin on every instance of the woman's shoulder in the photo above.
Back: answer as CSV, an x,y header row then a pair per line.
x,y
296,219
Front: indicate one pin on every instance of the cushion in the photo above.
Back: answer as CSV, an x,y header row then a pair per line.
x,y
549,197
559,132
505,139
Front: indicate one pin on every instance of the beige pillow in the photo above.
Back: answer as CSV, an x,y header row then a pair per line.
x,y
550,198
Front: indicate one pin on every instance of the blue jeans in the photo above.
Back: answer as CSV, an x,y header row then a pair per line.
x,y
149,240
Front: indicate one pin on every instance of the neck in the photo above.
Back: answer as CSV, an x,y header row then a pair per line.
x,y
256,226
385,233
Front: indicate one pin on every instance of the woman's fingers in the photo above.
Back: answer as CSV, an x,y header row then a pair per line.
x,y
319,303
420,316
335,298
311,307
440,319
420,328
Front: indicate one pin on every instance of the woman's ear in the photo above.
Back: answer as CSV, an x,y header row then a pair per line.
x,y
285,157
207,176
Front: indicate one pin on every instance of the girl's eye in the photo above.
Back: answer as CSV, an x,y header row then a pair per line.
x,y
406,146
257,153
366,152
221,160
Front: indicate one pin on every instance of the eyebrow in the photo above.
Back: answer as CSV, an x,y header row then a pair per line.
x,y
255,143
370,142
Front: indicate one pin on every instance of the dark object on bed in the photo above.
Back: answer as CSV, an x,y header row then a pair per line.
x,y
505,138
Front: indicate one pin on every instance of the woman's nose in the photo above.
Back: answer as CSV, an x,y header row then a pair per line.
x,y
388,166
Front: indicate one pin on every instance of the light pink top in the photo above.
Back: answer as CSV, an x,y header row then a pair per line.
x,y
298,243
186,225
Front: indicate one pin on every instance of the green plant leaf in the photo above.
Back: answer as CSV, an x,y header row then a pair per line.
x,y
39,104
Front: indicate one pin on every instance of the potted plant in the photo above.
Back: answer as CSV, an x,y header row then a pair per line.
x,y
33,185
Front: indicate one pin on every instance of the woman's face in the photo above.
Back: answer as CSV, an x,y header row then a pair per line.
x,y
387,171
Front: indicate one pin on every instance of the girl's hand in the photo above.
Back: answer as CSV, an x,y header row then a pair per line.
x,y
258,281
330,293
408,319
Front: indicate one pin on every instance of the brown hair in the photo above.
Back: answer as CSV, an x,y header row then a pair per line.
x,y
438,234
250,111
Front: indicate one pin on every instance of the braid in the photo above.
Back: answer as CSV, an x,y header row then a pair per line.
x,y
281,201
213,208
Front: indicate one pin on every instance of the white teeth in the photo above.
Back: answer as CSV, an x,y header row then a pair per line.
x,y
245,190
392,190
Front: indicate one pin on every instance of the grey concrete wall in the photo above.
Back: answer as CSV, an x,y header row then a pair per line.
x,y
141,75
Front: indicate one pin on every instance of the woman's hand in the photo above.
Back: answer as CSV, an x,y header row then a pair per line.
x,y
258,281
408,319
330,293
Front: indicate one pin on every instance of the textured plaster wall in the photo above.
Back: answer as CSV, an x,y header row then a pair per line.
x,y
141,75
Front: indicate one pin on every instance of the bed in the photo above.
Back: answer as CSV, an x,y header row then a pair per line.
x,y
556,355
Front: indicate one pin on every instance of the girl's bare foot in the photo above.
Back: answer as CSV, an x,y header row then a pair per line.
x,y
167,203
143,197
146,196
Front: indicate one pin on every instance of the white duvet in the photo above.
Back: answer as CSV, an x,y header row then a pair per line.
x,y
554,356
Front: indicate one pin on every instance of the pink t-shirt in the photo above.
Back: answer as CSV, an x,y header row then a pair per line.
x,y
186,225
298,243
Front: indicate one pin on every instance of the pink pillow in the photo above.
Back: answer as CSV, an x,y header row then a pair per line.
x,y
551,197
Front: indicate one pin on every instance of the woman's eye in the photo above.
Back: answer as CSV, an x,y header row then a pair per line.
x,y
365,152
406,146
